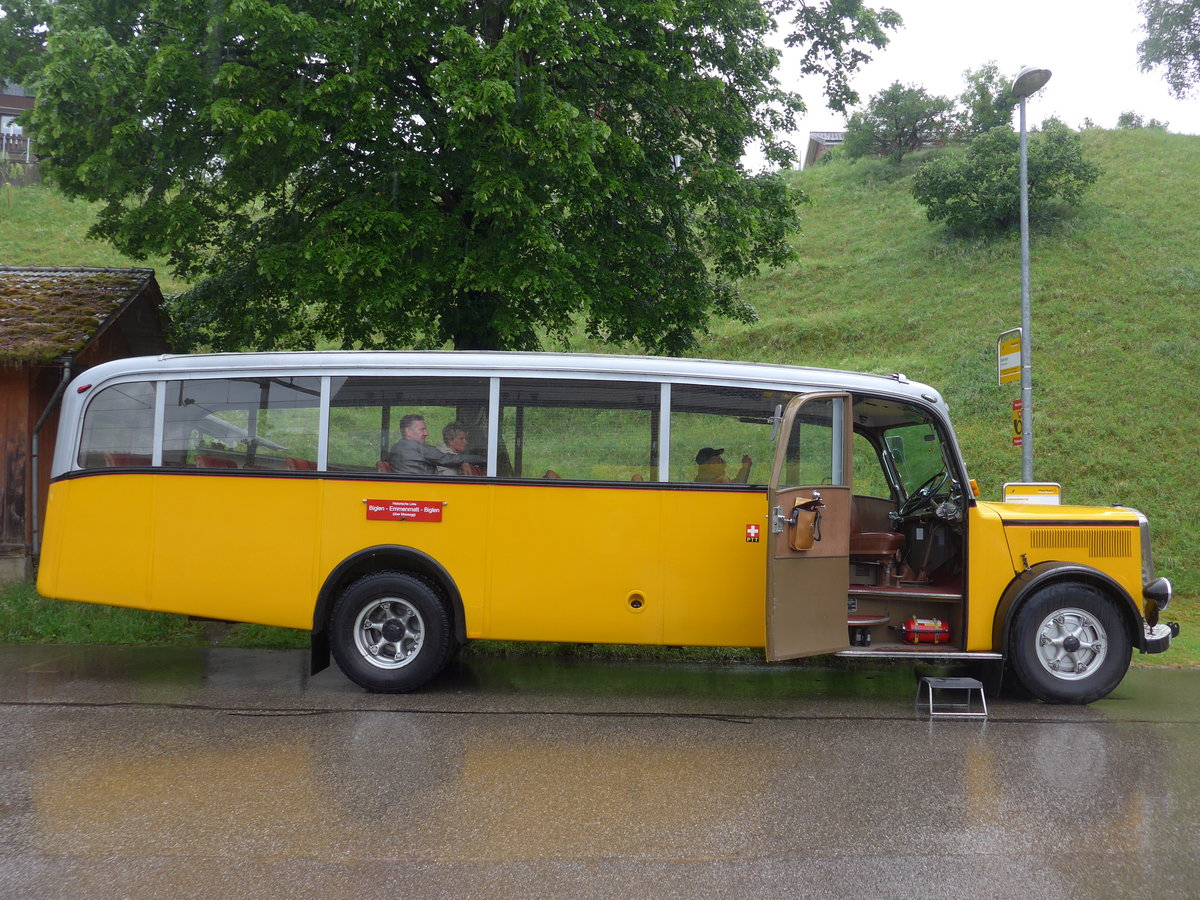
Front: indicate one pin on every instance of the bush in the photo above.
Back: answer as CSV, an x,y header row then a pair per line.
x,y
979,190
1133,120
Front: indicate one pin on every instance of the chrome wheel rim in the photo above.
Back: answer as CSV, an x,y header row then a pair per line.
x,y
1071,644
389,633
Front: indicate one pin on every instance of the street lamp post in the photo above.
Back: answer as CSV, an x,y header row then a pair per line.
x,y
1029,82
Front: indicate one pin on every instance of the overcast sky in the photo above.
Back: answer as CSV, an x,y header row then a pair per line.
x,y
1089,45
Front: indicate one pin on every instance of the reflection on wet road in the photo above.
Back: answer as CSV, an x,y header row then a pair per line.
x,y
150,773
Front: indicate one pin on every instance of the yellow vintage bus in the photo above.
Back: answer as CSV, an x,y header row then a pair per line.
x,y
583,498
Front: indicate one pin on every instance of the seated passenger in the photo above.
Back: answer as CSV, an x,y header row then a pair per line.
x,y
711,467
454,441
411,455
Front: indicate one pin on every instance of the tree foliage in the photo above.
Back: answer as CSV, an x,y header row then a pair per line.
x,y
986,103
896,121
483,172
22,37
1172,42
1130,119
978,191
833,34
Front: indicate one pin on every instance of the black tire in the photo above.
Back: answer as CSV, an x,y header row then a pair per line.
x,y
1069,644
390,632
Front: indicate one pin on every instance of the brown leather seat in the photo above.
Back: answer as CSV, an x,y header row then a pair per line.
x,y
126,459
206,461
881,546
876,543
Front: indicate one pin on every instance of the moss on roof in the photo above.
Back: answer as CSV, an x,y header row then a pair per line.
x,y
50,312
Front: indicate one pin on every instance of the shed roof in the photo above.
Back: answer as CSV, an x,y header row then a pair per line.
x,y
820,142
47,312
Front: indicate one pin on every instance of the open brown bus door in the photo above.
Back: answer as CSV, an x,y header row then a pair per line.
x,y
809,514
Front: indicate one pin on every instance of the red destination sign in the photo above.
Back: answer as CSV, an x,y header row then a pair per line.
x,y
404,510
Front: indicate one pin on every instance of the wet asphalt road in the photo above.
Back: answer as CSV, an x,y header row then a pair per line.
x,y
228,774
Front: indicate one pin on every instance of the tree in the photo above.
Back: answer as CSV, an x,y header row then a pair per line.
x,y
1133,120
22,37
483,173
986,103
1172,42
832,33
897,121
979,190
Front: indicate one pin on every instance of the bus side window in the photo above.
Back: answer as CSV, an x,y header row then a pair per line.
x,y
255,423
118,427
580,430
735,421
365,412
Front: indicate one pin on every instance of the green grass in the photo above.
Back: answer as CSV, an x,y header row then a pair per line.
x,y
40,227
26,617
878,288
612,652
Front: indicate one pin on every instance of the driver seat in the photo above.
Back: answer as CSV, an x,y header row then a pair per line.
x,y
882,547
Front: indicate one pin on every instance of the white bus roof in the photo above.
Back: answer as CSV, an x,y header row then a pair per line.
x,y
520,365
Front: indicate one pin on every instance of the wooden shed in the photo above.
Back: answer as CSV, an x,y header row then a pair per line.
x,y
54,324
820,143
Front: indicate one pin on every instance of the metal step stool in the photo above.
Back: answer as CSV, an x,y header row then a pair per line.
x,y
946,708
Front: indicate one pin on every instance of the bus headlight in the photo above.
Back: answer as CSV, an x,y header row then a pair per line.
x,y
1158,597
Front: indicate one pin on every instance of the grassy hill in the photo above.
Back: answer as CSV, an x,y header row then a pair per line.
x,y
1116,318
40,227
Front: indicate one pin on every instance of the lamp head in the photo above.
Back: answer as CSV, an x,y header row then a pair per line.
x,y
1029,81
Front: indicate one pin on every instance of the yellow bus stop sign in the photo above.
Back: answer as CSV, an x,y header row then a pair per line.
x,y
1043,492
1008,356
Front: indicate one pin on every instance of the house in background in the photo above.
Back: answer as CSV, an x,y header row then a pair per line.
x,y
54,324
14,100
820,143
17,160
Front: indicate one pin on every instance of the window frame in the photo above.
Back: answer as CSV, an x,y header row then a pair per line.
x,y
667,384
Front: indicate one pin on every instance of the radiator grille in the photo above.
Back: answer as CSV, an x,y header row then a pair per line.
x,y
1098,542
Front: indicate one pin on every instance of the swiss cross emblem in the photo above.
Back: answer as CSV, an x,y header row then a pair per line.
x,y
752,534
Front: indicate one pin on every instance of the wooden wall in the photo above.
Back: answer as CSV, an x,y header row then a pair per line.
x,y
15,398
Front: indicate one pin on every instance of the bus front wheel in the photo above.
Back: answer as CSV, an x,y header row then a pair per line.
x,y
1069,644
390,632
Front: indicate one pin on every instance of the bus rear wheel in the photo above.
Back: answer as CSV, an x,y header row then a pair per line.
x,y
390,632
1069,644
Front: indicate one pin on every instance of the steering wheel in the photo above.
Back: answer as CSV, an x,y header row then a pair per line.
x,y
922,495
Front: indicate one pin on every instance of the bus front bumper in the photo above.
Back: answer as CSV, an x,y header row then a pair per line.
x,y
1158,637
